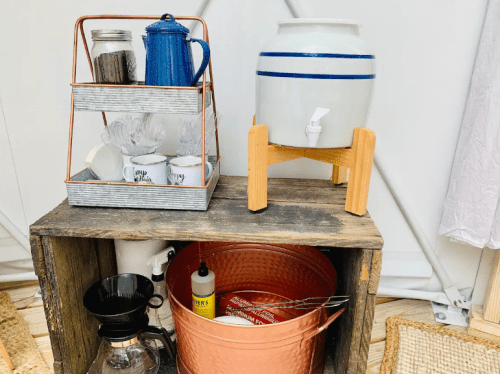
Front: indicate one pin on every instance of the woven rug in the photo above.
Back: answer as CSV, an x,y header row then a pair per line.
x,y
18,342
419,348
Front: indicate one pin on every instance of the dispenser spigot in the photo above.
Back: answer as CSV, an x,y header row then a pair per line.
x,y
313,130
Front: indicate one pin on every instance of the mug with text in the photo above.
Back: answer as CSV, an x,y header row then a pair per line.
x,y
150,168
129,173
186,171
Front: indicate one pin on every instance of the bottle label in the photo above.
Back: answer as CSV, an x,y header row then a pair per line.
x,y
204,305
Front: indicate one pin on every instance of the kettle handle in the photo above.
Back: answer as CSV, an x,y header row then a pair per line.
x,y
204,63
154,332
164,17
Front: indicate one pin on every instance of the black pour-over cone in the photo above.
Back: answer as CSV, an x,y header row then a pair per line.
x,y
121,301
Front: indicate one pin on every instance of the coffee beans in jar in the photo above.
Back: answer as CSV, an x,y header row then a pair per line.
x,y
113,57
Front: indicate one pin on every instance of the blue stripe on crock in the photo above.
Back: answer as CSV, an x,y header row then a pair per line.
x,y
320,55
315,76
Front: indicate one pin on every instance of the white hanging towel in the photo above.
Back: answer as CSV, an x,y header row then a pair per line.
x,y
471,208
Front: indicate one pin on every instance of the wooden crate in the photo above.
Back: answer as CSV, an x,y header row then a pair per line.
x,y
73,247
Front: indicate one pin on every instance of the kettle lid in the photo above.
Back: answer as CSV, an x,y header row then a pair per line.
x,y
165,25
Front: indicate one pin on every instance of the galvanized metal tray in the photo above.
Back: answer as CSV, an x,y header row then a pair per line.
x,y
140,98
85,189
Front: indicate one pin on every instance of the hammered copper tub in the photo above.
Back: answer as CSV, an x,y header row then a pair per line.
x,y
280,272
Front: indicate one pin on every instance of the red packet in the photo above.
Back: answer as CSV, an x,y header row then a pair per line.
x,y
256,316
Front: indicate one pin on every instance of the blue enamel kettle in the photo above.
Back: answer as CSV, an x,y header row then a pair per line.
x,y
169,61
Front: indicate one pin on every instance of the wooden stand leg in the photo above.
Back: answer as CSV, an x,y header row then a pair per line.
x,y
359,178
486,318
491,303
339,174
257,167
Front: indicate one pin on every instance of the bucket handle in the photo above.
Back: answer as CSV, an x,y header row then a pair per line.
x,y
327,323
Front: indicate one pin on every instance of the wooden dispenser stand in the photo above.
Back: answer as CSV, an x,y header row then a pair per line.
x,y
487,318
358,158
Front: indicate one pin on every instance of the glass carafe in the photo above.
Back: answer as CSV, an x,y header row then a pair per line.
x,y
134,356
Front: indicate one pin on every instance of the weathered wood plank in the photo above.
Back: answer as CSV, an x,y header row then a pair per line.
x,y
353,270
375,272
360,309
38,256
366,334
72,267
315,191
285,222
58,367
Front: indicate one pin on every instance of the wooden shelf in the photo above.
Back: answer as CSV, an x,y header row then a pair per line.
x,y
309,212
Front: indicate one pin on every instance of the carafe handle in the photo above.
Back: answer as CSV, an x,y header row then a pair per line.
x,y
154,306
204,62
154,332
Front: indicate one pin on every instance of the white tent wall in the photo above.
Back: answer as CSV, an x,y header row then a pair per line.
x,y
12,221
425,54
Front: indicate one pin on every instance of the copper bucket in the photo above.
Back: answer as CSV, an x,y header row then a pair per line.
x,y
277,272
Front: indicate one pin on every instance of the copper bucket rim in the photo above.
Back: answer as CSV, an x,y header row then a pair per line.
x,y
227,247
293,320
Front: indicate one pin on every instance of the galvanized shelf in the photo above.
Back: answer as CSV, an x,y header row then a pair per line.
x,y
140,99
85,189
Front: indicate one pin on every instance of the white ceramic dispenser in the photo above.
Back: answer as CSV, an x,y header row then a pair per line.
x,y
314,63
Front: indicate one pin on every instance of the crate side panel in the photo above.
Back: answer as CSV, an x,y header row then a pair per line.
x,y
72,267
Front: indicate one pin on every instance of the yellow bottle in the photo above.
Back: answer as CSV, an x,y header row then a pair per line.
x,y
203,289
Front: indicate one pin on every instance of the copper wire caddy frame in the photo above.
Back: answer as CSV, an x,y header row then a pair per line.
x,y
205,187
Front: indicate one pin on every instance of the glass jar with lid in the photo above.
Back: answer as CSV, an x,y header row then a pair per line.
x,y
113,57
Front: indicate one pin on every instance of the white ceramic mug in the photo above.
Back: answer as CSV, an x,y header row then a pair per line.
x,y
148,168
186,171
129,173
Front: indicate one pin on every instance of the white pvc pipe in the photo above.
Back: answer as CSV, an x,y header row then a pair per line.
x,y
14,231
438,297
455,298
199,13
295,8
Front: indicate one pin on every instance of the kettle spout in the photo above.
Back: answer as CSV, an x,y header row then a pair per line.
x,y
145,41
313,130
